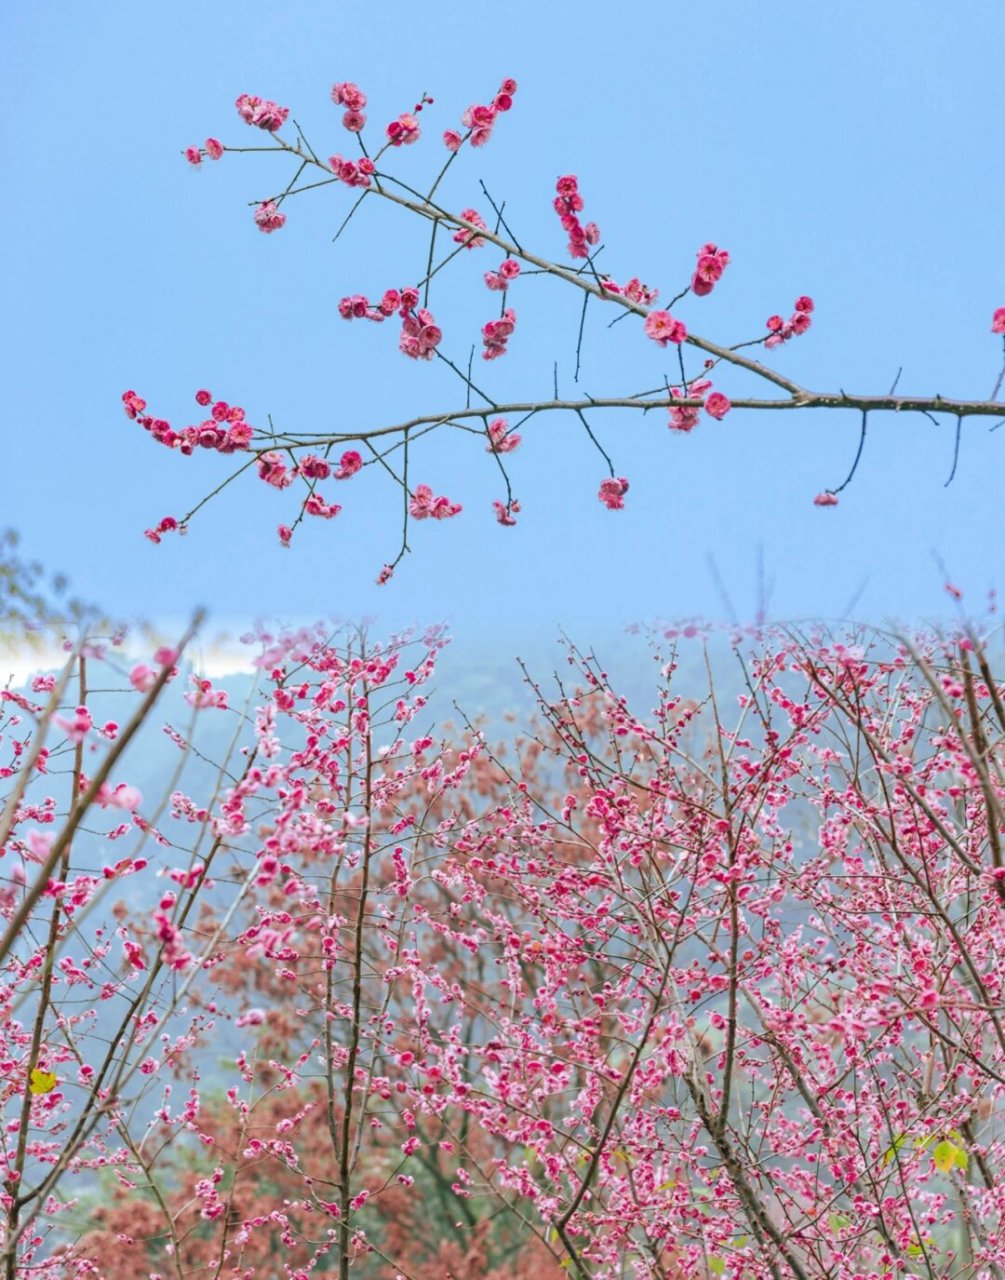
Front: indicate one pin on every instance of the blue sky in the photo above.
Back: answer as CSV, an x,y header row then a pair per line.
x,y
847,151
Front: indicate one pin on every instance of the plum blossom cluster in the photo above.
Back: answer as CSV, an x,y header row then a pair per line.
x,y
664,329
168,524
354,173
121,796
350,462
479,120
351,96
143,678
712,262
273,469
268,217
212,148
420,335
176,955
506,512
499,280
612,493
261,112
225,430
567,204
315,505
497,333
313,467
424,505
203,696
405,130
76,727
782,330
501,439
634,290
357,306
468,238
685,417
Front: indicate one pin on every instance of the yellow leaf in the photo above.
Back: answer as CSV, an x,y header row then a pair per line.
x,y
42,1081
946,1156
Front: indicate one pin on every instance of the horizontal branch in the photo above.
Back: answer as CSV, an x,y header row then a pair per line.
x,y
804,400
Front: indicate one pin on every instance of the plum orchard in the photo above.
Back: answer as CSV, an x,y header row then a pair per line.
x,y
713,989
307,462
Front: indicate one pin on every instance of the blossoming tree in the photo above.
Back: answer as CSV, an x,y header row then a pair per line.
x,y
713,989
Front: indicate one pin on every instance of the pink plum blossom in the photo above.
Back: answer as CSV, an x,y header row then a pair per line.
x,y
424,504
712,261
403,131
261,112
506,512
347,94
420,335
496,334
499,441
612,492
468,238
349,464
664,329
268,218
717,405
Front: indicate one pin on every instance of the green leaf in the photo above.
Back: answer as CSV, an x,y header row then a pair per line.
x,y
898,1143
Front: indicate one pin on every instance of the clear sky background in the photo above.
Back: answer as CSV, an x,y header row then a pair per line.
x,y
850,151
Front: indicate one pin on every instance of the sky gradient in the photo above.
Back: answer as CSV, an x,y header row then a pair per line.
x,y
846,151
